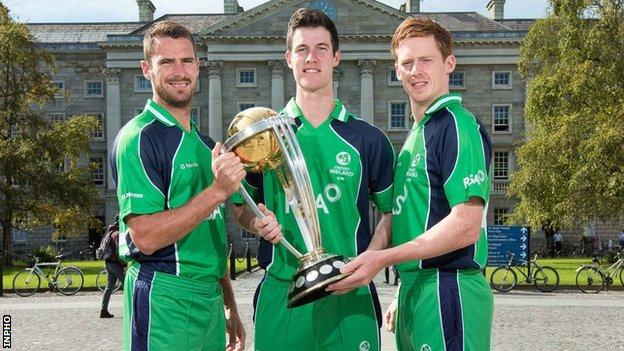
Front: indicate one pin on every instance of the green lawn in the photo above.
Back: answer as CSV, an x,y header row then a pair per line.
x,y
90,270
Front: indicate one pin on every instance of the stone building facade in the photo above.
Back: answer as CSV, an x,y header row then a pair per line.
x,y
242,65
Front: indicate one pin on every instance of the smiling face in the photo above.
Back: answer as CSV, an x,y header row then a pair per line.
x,y
312,59
173,70
423,70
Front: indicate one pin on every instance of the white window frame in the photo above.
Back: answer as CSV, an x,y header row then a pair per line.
x,y
494,176
390,81
50,114
137,89
407,114
62,88
504,211
103,171
509,119
239,84
93,96
198,122
239,103
502,86
100,117
458,87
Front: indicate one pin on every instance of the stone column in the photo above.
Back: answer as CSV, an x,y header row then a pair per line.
x,y
215,109
367,104
336,74
113,115
277,84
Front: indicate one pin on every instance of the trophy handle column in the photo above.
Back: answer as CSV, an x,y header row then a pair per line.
x,y
254,208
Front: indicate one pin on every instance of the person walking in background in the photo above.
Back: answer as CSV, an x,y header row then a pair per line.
x,y
115,268
558,238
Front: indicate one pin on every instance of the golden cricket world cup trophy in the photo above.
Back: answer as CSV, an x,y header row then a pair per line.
x,y
265,140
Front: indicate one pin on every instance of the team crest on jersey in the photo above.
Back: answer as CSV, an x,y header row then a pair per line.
x,y
365,346
342,170
425,347
343,158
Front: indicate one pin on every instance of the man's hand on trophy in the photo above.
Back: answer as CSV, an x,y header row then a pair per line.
x,y
267,227
228,170
362,270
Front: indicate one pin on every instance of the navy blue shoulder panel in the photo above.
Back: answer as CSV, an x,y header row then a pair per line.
x,y
441,144
159,144
377,167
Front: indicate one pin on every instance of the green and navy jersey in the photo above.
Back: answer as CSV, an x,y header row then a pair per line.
x,y
159,166
350,163
444,162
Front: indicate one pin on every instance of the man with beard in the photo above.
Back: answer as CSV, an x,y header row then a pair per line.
x,y
172,182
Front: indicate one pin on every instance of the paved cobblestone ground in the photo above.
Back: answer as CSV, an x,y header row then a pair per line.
x,y
523,320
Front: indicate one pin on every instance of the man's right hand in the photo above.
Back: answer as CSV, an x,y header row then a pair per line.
x,y
390,315
228,170
267,227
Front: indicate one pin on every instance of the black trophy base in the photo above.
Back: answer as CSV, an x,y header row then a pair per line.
x,y
309,283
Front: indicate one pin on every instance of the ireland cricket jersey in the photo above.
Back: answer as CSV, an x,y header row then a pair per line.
x,y
444,161
158,166
350,163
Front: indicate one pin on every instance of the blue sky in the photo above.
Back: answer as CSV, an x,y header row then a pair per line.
x,y
126,10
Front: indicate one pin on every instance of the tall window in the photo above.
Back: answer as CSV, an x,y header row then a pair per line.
x,y
97,170
56,117
246,77
247,235
398,115
60,85
94,89
392,76
500,215
456,80
245,105
501,80
195,116
98,131
501,118
142,84
501,165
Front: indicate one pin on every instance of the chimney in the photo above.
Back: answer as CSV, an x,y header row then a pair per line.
x,y
411,6
146,10
496,9
232,7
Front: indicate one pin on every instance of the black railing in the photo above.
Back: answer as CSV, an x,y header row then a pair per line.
x,y
249,267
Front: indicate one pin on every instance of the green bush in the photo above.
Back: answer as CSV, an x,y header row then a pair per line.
x,y
44,253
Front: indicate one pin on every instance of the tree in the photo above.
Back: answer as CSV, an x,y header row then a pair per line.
x,y
571,164
44,178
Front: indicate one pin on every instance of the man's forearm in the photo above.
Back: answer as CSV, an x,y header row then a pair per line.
x,y
228,294
155,231
457,230
244,217
383,233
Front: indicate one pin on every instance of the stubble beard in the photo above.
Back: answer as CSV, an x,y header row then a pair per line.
x,y
180,101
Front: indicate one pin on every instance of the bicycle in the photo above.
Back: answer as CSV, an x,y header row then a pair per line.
x,y
592,278
504,279
67,280
102,280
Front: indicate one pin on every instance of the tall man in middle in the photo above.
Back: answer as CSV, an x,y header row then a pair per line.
x,y
350,164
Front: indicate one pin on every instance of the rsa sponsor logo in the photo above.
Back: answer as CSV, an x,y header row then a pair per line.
x,y
189,165
216,213
473,179
331,193
132,195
